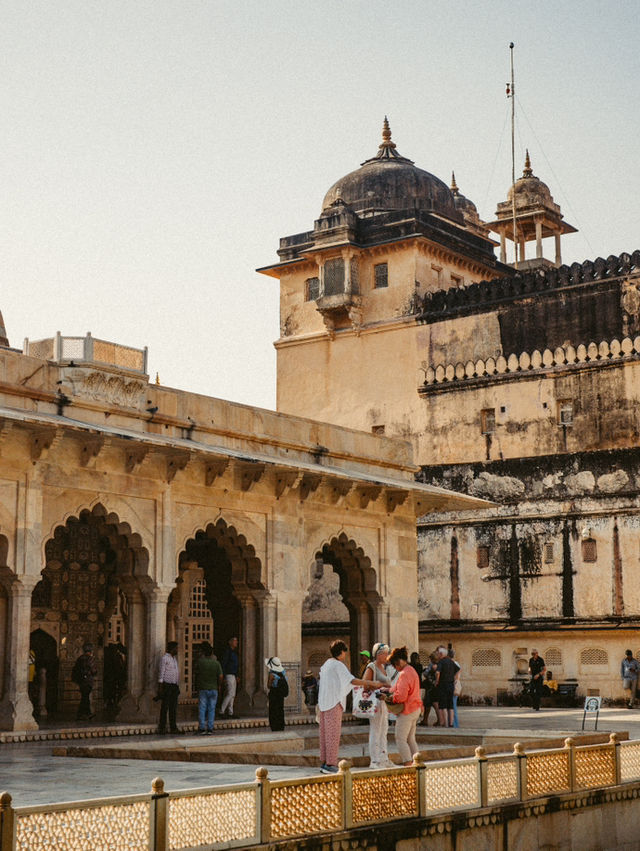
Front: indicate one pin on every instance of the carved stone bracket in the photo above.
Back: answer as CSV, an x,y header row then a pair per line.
x,y
41,440
176,460
368,494
329,324
395,498
338,490
214,468
6,427
90,447
355,317
286,480
308,484
248,474
133,457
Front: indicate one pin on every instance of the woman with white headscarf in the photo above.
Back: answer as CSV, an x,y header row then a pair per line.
x,y
379,670
277,690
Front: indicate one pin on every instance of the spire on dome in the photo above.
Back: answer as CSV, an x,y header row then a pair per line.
x,y
527,171
387,148
454,185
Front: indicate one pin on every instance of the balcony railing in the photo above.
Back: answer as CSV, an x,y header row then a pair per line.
x,y
261,812
88,350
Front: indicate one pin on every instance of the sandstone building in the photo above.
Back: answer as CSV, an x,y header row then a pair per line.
x,y
135,513
518,383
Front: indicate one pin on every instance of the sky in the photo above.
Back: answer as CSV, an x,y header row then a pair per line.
x,y
153,152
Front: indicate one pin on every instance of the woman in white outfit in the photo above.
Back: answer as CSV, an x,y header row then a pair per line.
x,y
378,670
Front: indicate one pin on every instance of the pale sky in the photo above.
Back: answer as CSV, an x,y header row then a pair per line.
x,y
154,151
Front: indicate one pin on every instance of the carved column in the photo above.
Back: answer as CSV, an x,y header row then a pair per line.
x,y
249,659
130,709
267,616
503,247
558,251
346,259
16,710
381,623
538,238
320,277
155,644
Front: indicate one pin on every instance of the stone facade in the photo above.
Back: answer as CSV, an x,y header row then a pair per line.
x,y
137,513
519,385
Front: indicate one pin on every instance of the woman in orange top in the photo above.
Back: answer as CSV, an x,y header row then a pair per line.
x,y
406,690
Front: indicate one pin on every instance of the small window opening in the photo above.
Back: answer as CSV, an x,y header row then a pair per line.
x,y
377,429
565,413
482,557
488,420
589,550
548,553
312,289
380,276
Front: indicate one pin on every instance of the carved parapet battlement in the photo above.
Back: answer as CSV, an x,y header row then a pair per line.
x,y
446,375
486,295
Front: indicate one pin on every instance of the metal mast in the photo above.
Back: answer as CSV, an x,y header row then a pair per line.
x,y
512,94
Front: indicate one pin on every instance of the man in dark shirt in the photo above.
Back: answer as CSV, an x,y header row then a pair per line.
x,y
445,676
536,671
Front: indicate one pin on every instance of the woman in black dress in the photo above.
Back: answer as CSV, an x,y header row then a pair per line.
x,y
277,689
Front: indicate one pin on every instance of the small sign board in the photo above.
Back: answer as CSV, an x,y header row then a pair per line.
x,y
592,705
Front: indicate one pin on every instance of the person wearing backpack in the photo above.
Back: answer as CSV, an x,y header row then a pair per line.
x,y
278,690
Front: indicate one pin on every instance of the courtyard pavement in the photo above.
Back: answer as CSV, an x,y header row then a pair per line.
x,y
33,775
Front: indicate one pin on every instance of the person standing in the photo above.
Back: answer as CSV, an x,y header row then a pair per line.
x,y
445,680
84,675
168,689
209,682
230,669
406,690
457,685
365,659
336,681
429,686
310,691
629,670
536,672
277,691
380,670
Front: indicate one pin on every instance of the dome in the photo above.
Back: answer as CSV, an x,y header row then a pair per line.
x,y
468,209
529,190
389,182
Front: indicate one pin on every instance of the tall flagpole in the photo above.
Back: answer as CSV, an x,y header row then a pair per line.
x,y
513,159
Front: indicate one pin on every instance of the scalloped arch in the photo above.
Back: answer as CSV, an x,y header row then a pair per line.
x,y
246,568
116,529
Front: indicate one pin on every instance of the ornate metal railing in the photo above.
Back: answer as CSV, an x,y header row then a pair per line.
x,y
255,813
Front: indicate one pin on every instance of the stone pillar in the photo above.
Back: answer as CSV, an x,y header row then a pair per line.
x,y
538,239
16,710
503,247
558,251
130,709
346,259
249,659
266,644
381,623
320,277
155,645
522,251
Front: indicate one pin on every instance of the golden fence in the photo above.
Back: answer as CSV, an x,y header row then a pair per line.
x,y
254,813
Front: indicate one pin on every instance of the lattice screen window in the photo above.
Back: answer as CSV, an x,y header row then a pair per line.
x,y
355,275
482,558
334,276
198,628
553,656
380,276
594,656
312,289
488,658
548,553
589,550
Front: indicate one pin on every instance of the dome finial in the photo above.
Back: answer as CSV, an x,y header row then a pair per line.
x,y
454,185
386,135
527,171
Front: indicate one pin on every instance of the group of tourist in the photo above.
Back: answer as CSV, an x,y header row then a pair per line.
x,y
442,685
